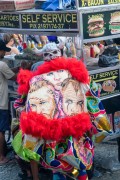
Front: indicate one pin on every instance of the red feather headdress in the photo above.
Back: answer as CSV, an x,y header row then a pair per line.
x,y
75,67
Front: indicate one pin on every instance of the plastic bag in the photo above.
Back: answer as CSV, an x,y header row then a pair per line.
x,y
111,51
109,57
54,5
106,61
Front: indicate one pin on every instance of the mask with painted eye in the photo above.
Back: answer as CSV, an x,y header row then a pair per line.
x,y
49,51
47,56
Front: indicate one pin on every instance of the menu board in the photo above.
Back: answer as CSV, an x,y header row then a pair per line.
x,y
108,82
49,21
101,24
89,3
9,21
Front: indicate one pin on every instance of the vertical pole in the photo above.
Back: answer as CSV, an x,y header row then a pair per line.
x,y
81,35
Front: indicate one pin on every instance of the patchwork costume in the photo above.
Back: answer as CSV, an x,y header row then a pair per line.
x,y
62,114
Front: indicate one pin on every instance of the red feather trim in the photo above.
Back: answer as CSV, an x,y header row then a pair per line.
x,y
23,80
75,67
38,125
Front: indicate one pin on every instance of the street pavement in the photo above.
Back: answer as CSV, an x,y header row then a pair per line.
x,y
107,166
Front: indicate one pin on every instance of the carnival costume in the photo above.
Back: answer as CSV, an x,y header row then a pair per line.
x,y
62,113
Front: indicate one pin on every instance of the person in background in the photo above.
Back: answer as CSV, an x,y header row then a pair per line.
x,y
44,40
18,38
10,43
36,39
5,74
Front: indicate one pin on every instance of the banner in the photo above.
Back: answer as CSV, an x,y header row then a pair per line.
x,y
49,21
100,24
9,21
89,3
108,82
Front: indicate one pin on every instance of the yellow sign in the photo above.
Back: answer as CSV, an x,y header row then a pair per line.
x,y
89,3
108,82
114,77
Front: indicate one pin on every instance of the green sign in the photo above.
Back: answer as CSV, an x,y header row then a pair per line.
x,y
108,82
89,3
101,24
49,21
9,21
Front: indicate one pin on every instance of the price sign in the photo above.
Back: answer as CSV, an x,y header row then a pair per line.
x,y
9,21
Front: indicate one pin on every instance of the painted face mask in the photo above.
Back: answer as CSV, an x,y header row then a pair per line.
x,y
49,51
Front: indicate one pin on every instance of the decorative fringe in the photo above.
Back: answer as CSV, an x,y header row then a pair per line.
x,y
39,126
23,80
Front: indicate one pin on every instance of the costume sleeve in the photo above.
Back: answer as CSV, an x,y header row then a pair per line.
x,y
19,106
101,125
20,102
6,71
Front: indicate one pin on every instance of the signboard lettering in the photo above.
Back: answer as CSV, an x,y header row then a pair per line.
x,y
49,21
108,82
101,24
9,21
89,3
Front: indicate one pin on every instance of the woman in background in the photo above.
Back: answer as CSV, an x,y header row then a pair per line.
x,y
10,43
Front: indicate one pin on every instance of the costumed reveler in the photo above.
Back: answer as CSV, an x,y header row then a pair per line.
x,y
62,114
